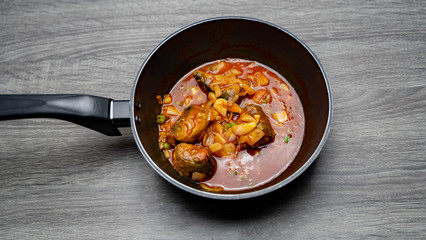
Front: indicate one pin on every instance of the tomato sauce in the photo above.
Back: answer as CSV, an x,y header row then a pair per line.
x,y
251,167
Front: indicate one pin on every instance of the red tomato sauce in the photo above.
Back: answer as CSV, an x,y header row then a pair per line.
x,y
251,167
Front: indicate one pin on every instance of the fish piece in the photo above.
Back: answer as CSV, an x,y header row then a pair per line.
x,y
193,161
191,124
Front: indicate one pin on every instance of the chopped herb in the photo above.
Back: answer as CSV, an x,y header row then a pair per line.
x,y
229,125
287,138
266,100
235,172
161,119
166,145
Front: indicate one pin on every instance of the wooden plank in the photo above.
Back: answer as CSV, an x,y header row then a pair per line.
x,y
61,181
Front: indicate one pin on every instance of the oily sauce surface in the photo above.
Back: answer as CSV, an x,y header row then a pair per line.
x,y
249,168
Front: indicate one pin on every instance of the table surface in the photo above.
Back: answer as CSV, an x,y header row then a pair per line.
x,y
62,181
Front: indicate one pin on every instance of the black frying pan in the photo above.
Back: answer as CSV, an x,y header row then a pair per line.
x,y
198,43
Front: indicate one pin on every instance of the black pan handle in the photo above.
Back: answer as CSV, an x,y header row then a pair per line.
x,y
98,113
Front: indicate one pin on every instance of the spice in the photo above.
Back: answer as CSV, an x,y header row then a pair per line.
x,y
159,100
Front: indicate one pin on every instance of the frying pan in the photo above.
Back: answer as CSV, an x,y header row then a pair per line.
x,y
181,52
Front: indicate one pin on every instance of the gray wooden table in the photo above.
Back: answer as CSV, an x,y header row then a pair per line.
x,y
62,181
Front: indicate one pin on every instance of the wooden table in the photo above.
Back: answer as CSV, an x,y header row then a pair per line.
x,y
62,181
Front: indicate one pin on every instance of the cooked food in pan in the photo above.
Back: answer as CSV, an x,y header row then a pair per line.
x,y
193,161
231,125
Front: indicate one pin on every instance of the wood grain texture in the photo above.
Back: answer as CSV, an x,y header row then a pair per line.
x,y
61,181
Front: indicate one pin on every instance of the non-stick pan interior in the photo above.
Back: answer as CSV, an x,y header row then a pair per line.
x,y
237,38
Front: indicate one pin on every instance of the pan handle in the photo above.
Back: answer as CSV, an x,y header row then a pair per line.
x,y
98,113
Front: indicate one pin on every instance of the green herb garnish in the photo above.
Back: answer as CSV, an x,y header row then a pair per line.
x,y
161,119
287,138
166,145
229,125
266,100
